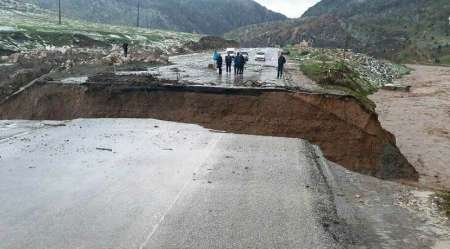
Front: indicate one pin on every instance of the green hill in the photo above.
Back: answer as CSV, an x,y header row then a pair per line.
x,y
402,30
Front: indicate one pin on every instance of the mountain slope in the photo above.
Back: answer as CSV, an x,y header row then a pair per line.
x,y
402,30
25,26
195,16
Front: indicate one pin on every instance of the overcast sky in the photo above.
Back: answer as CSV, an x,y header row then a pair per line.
x,y
290,8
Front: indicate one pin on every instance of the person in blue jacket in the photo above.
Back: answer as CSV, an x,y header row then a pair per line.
x,y
215,56
219,63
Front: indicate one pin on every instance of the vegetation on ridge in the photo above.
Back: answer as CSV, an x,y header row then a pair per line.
x,y
356,74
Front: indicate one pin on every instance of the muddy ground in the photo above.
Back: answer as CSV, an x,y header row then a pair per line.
x,y
420,120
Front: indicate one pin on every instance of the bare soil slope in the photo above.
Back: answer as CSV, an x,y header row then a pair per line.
x,y
347,132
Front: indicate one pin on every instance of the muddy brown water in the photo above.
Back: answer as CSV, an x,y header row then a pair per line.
x,y
420,119
347,133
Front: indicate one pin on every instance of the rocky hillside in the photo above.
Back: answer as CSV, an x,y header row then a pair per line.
x,y
402,30
194,16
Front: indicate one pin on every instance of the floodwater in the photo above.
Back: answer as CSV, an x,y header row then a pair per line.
x,y
75,80
420,120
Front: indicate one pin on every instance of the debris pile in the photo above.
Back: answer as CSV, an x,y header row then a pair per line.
x,y
112,78
375,71
62,57
425,204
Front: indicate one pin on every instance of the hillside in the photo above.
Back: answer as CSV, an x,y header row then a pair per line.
x,y
25,26
194,16
401,30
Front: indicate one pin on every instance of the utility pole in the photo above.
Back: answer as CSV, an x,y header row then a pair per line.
x,y
138,13
347,45
59,12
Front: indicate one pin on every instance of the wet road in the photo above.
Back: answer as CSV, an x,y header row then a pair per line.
x,y
193,68
120,183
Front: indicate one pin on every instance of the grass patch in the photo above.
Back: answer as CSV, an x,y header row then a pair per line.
x,y
312,71
445,60
339,76
355,74
444,204
330,72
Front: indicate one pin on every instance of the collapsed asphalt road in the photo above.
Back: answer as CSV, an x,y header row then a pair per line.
x,y
154,184
193,69
130,183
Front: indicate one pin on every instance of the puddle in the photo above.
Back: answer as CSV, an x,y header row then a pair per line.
x,y
133,73
75,80
422,194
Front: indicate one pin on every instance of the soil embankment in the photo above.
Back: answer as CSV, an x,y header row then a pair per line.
x,y
347,133
420,119
212,42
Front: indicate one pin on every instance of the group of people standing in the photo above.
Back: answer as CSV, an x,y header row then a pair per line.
x,y
239,62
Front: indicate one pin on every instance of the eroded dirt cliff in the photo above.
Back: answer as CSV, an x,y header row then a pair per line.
x,y
348,133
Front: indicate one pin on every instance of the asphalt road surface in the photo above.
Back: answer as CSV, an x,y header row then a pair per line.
x,y
120,183
193,68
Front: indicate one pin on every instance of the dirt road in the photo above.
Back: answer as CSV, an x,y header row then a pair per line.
x,y
420,120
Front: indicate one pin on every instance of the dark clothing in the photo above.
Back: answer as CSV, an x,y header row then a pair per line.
x,y
237,64
228,59
228,68
241,69
219,64
280,72
281,62
228,62
125,49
